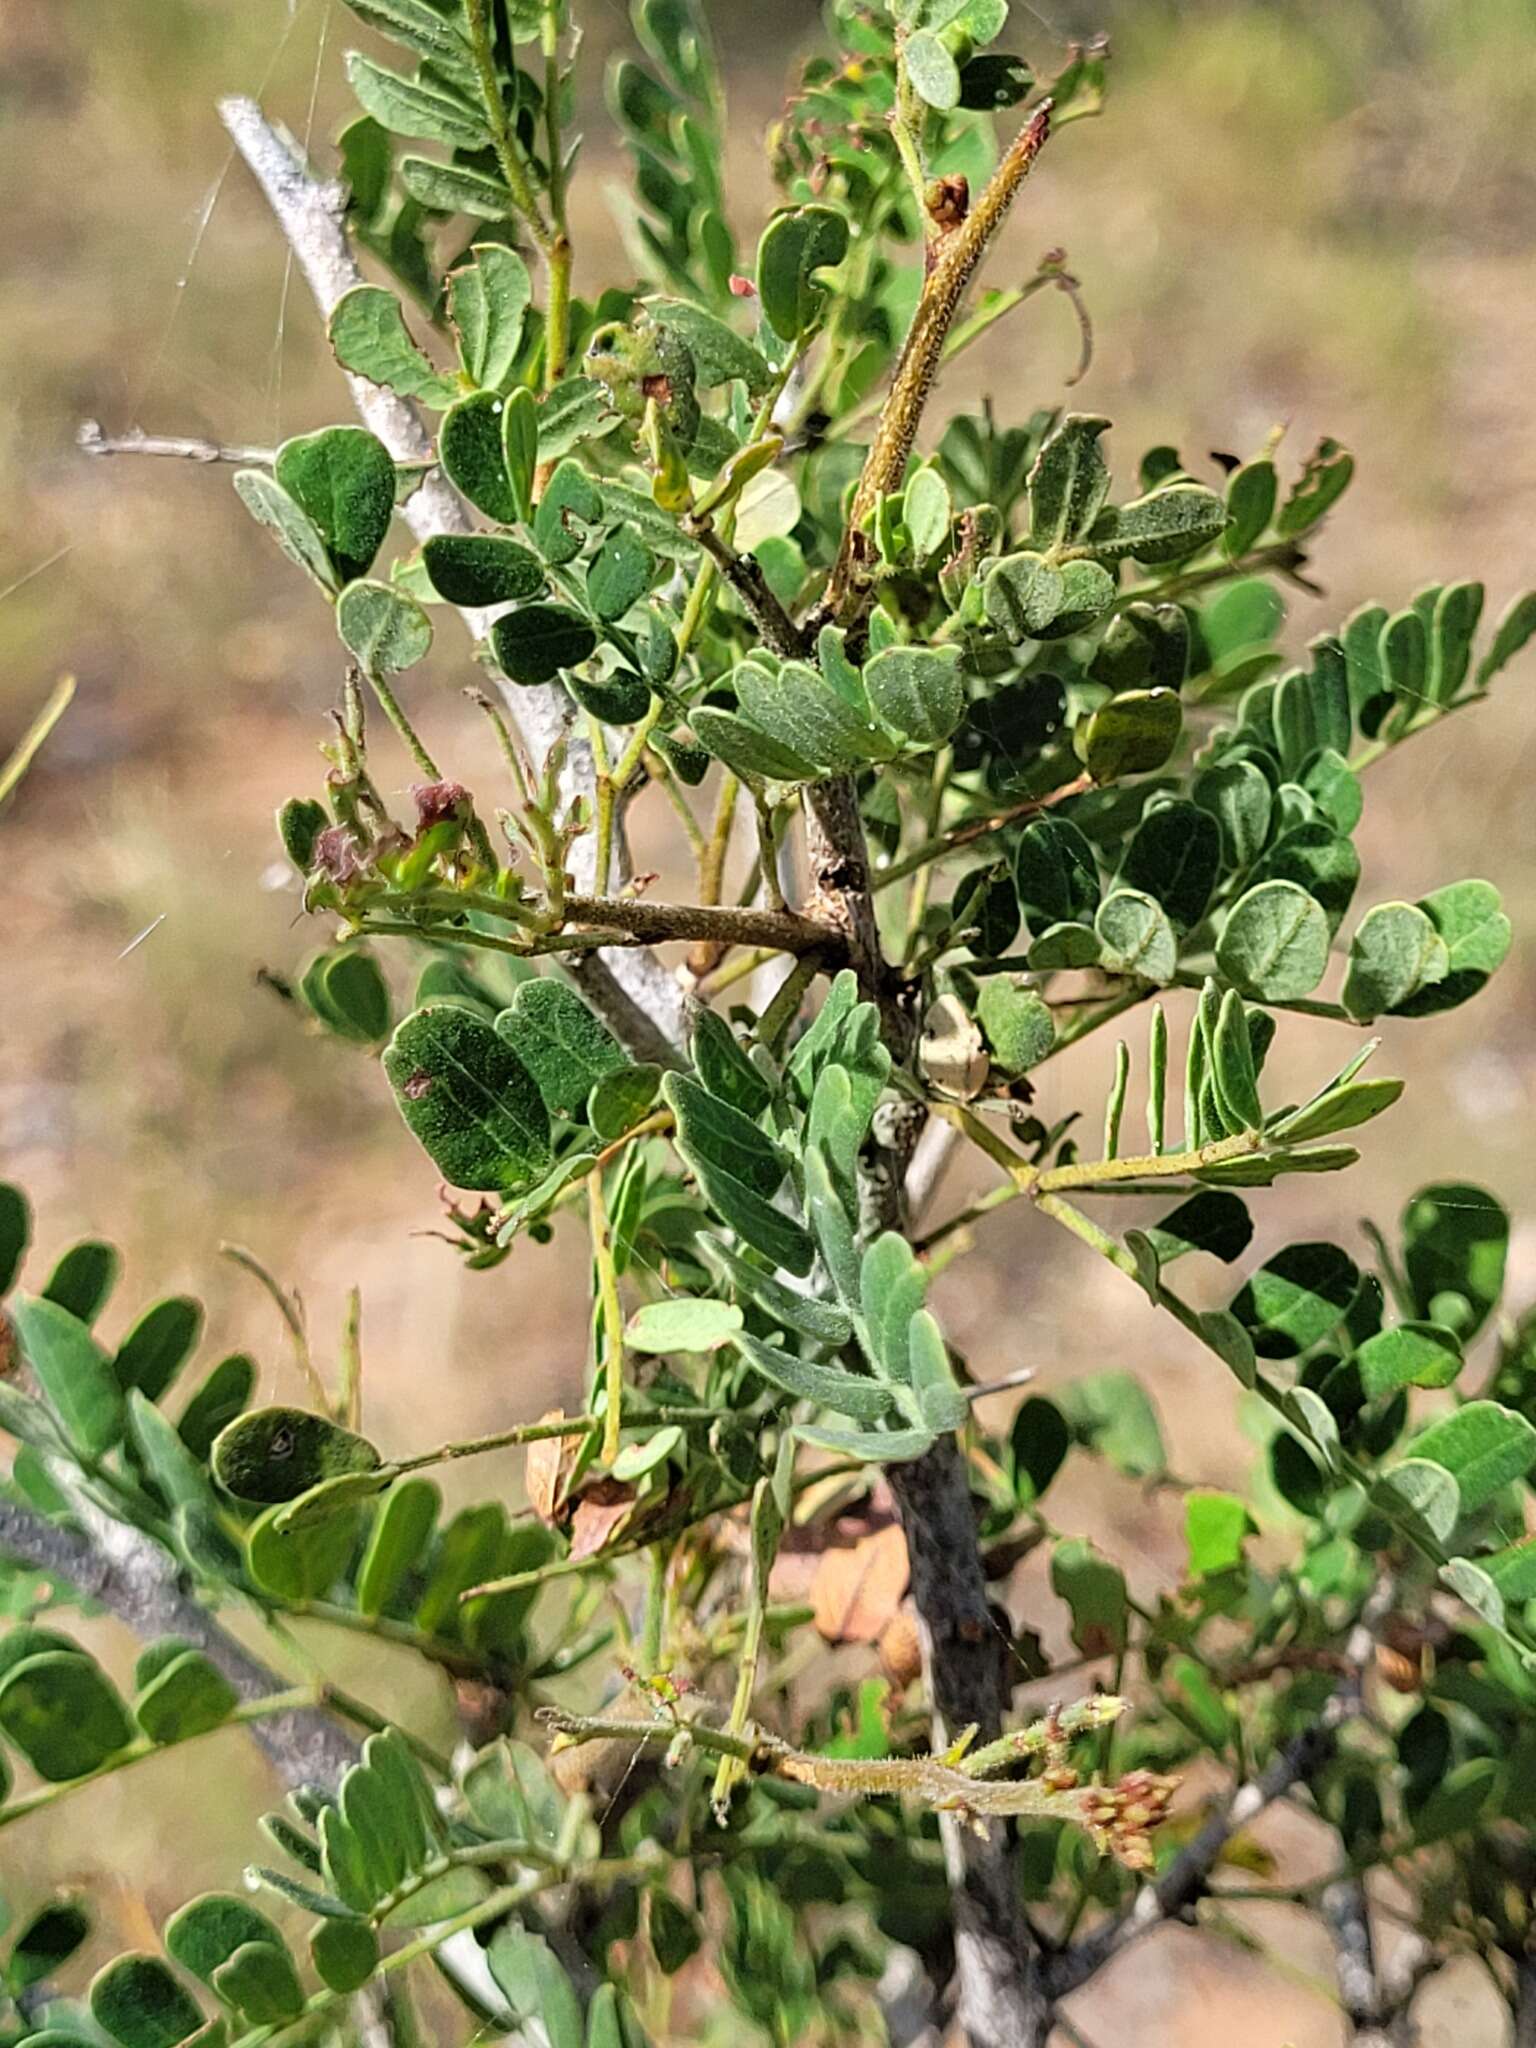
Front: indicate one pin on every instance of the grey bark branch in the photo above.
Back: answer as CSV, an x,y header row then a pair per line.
x,y
1002,1997
633,991
138,1583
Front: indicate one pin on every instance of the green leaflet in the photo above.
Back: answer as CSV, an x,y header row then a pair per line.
x,y
1483,1446
795,245
488,298
343,481
75,1374
564,1045
469,1099
1274,945
369,336
739,1169
830,1386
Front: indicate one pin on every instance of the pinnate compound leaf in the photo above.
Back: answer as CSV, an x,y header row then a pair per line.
x,y
1274,945
469,1099
141,2004
384,630
343,480
369,337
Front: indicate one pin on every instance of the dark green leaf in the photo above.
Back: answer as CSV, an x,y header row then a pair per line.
x,y
674,1931
619,574
1166,525
471,451
1323,480
1338,1109
83,1279
562,1043
63,1713
1069,482
206,1932
1175,856
345,1953
1319,860
746,750
343,480
534,643
260,1981
797,708
1240,800
480,569
44,1944
1055,874
621,1099
217,1402
469,1099
140,2004
1208,1222
739,1169
187,1698
277,1454
571,504
1455,1241
724,1068
158,1346
1251,495
1037,1443
15,1234
1130,735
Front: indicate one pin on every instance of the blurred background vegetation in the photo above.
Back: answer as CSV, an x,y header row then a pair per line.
x,y
1293,211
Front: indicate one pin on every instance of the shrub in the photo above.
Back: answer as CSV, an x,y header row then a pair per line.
x,y
1028,751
